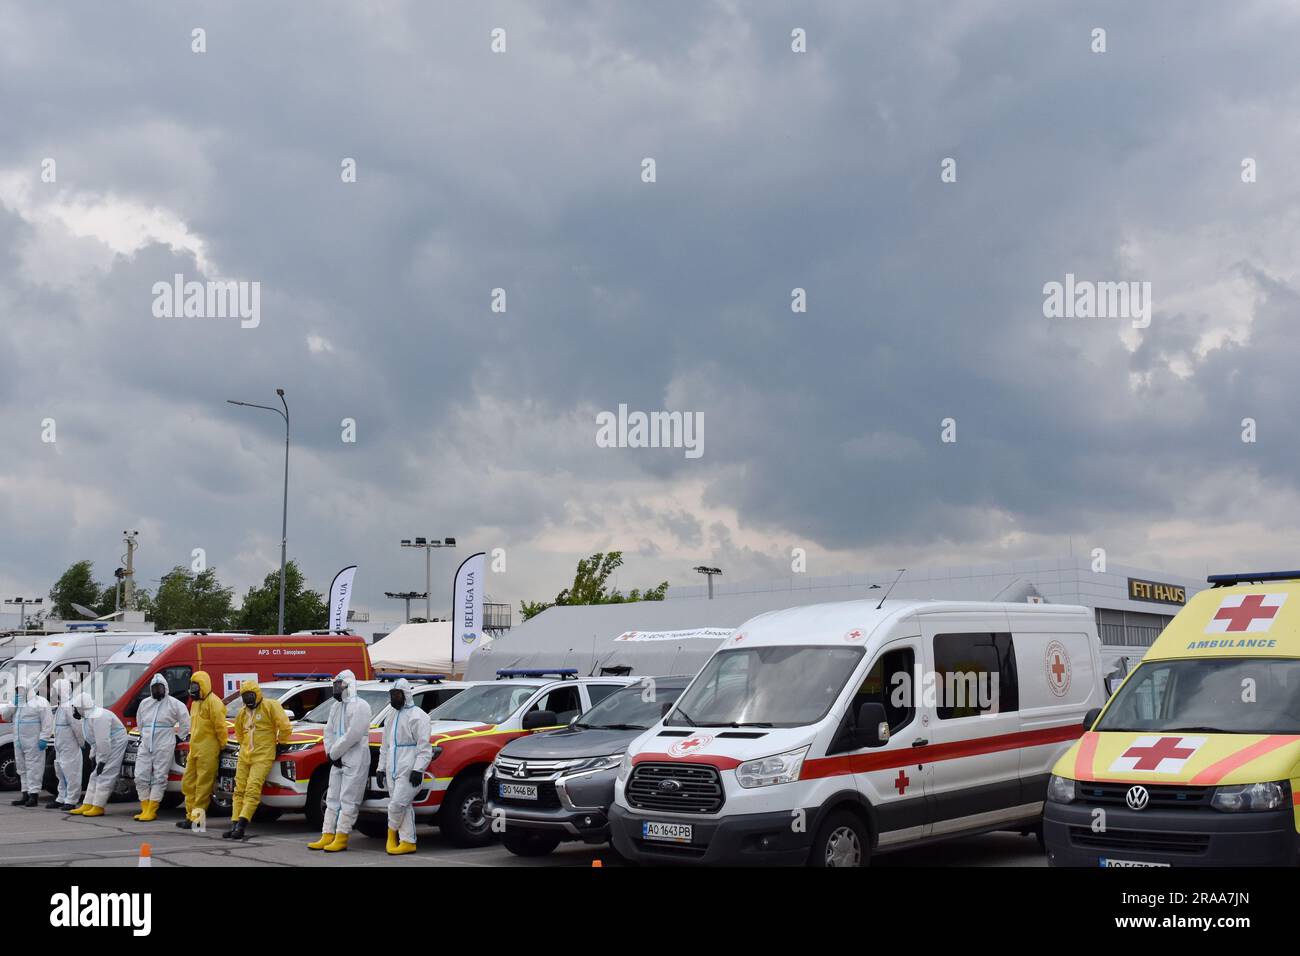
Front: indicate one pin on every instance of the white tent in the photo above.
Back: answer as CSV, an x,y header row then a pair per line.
x,y
415,649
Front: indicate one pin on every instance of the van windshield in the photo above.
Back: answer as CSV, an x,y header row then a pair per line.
x,y
1248,695
484,704
320,714
118,679
766,687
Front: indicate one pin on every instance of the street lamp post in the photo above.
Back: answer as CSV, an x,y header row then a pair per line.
x,y
22,608
284,520
428,547
709,573
405,596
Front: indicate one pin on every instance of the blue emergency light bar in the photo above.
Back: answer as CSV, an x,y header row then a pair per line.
x,y
1251,577
279,676
88,626
427,678
534,672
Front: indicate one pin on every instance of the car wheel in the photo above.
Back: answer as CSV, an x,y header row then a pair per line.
x,y
525,843
842,840
461,819
315,806
375,827
8,768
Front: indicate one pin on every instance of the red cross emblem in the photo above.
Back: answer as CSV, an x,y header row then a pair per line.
x,y
683,747
901,782
1158,754
1242,616
1058,669
853,635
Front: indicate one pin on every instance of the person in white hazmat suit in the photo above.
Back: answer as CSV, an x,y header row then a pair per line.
x,y
403,757
162,720
107,738
68,741
33,732
347,746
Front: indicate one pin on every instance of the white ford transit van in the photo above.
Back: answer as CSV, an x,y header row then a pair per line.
x,y
822,734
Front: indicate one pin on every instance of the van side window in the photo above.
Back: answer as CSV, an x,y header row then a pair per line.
x,y
178,680
882,686
974,674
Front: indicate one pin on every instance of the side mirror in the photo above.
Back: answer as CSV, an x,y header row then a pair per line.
x,y
1090,718
873,725
539,718
1112,683
664,708
574,719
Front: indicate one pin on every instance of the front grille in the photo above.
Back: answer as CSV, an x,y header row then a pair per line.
x,y
509,768
1160,797
1140,840
699,788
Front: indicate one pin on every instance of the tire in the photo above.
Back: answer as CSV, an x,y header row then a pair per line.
x,y
372,825
314,809
8,768
265,814
841,840
461,818
171,801
529,843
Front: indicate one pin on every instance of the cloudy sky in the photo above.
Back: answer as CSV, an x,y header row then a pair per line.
x,y
523,170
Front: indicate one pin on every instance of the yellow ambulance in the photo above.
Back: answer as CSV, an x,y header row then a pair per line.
x,y
1195,758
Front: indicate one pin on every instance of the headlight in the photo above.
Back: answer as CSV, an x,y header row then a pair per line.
x,y
436,753
1252,797
297,748
182,756
625,766
782,768
1060,789
289,769
595,763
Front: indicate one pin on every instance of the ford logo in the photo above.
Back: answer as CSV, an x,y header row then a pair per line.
x,y
1137,798
669,786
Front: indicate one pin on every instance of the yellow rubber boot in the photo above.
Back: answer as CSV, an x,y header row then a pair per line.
x,y
144,809
392,841
81,809
150,811
325,840
340,843
94,812
402,848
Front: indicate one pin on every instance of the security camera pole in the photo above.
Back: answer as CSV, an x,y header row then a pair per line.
x,y
284,523
709,573
22,608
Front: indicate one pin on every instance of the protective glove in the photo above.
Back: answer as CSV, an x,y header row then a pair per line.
x,y
99,767
41,745
381,780
338,763
415,777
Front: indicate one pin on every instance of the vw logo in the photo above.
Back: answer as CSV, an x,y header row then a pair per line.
x,y
1137,798
669,786
521,770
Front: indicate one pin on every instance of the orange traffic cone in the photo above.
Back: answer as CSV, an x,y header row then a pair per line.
x,y
146,854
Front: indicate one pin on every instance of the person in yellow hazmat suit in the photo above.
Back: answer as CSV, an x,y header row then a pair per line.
x,y
261,728
208,734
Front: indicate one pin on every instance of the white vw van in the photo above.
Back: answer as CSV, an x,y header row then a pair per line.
x,y
823,734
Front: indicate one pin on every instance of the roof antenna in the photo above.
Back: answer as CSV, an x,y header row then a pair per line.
x,y
890,588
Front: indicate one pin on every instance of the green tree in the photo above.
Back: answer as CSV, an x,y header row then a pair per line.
x,y
75,586
186,599
303,610
590,587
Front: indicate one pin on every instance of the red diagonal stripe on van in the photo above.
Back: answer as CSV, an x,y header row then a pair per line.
x,y
722,763
932,753
1083,759
1221,768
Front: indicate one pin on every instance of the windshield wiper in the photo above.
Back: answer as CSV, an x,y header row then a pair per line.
x,y
1197,730
613,727
678,712
749,723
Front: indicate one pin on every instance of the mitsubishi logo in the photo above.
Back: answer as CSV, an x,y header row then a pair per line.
x,y
1137,798
521,770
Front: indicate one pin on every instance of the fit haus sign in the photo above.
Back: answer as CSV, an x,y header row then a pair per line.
x,y
1156,593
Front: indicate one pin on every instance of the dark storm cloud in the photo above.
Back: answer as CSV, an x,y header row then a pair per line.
x,y
521,171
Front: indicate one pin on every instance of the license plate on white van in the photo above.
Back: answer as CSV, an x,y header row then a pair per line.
x,y
518,791
1104,861
666,832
